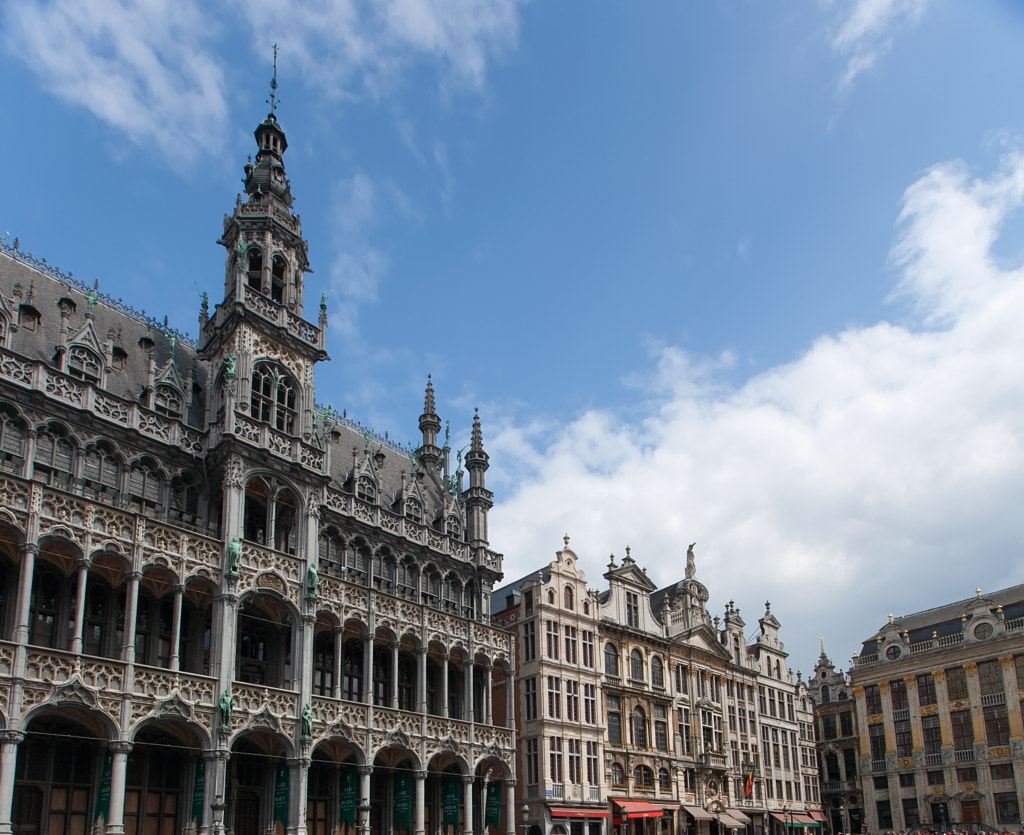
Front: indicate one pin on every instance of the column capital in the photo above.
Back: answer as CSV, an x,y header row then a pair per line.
x,y
365,770
298,762
216,754
120,746
29,548
422,650
12,737
420,774
178,588
467,779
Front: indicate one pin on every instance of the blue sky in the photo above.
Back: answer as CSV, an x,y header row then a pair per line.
x,y
740,273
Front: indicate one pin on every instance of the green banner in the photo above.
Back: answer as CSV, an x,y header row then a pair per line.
x,y
103,797
281,795
403,800
492,806
450,800
199,790
349,796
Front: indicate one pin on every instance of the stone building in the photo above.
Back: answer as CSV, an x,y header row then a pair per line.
x,y
683,702
223,607
938,697
561,732
838,745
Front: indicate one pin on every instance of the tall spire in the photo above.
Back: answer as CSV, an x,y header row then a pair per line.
x,y
480,499
430,425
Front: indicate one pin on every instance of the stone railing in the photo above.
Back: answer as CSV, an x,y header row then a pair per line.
x,y
282,317
90,398
286,447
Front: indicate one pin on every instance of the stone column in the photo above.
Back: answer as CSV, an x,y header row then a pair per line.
x,y
118,769
468,691
24,604
418,802
974,696
179,592
421,680
488,717
368,669
942,705
9,741
83,573
510,807
914,705
444,684
363,824
215,790
298,771
339,634
132,606
1012,699
467,799
394,675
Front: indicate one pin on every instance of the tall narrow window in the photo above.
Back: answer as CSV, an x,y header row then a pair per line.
x,y
274,397
277,272
255,268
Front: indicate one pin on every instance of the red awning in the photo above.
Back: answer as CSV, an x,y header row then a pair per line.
x,y
699,814
576,812
729,822
637,809
818,816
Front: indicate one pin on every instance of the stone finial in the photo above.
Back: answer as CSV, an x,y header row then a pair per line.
x,y
977,592
565,539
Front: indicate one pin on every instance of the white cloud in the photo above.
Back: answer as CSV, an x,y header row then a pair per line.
x,y
141,66
881,471
865,32
347,47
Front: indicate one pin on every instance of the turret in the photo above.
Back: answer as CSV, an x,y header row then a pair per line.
x,y
430,424
478,499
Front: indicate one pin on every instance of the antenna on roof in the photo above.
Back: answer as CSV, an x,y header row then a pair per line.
x,y
272,101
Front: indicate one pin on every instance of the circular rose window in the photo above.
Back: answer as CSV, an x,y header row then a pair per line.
x,y
983,631
893,652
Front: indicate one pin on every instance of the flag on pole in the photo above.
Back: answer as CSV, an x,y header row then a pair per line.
x,y
748,788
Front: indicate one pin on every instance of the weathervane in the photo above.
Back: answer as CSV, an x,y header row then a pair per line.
x,y
272,101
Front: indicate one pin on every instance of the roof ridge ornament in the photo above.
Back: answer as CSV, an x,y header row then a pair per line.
x,y
273,100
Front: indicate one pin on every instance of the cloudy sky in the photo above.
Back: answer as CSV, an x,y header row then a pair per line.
x,y
736,273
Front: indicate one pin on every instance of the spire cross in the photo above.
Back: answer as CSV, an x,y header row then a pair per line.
x,y
272,101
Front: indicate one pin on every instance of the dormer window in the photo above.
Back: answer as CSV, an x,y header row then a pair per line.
x,y
454,527
366,490
167,401
255,268
83,364
274,397
28,317
414,510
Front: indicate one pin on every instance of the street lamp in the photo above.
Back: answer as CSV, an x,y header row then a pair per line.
x,y
525,814
788,814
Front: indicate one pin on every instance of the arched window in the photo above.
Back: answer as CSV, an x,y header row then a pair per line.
x,y
586,608
431,591
452,592
551,597
406,681
825,697
101,472
84,364
618,775
286,514
12,440
55,457
643,778
332,551
50,611
146,487
104,619
657,672
639,727
274,397
384,570
842,696
414,510
155,784
255,268
357,562
636,665
167,401
567,600
185,499
408,577
611,660
664,781
454,527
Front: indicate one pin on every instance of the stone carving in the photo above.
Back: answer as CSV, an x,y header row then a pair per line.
x,y
224,708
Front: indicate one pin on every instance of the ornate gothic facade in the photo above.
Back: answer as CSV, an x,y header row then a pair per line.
x,y
223,608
